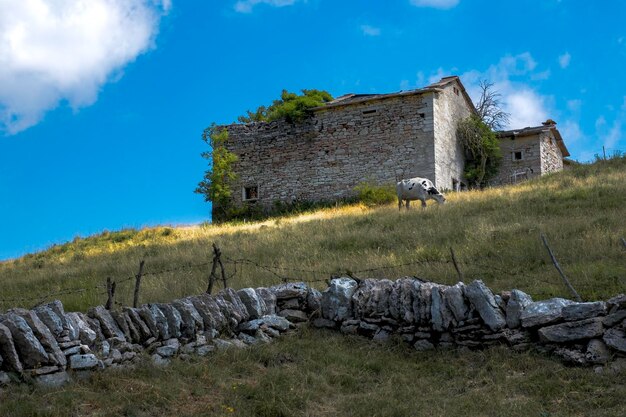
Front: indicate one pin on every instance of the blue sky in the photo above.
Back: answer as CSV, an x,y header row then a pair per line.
x,y
103,102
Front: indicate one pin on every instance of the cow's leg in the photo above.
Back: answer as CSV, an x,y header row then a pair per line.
x,y
399,203
423,204
408,204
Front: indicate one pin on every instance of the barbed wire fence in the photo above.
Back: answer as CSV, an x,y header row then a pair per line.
x,y
225,270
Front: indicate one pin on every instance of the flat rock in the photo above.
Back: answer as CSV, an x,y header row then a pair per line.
x,y
455,301
337,299
616,339
32,353
204,350
269,298
314,301
231,295
173,318
192,321
617,302
253,302
571,356
166,351
580,311
290,290
518,301
543,312
423,345
87,361
614,318
294,316
485,304
441,316
158,360
86,334
572,330
55,380
51,319
597,352
44,335
145,332
107,323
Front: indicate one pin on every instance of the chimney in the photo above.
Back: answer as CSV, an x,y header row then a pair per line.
x,y
549,122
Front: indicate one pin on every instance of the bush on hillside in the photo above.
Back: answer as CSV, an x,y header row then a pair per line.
x,y
375,195
291,107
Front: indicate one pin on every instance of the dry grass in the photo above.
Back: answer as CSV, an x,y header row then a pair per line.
x,y
495,233
346,376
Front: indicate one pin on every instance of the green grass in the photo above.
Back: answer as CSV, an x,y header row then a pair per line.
x,y
343,376
495,234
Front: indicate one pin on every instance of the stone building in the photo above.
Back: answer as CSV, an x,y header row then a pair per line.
x,y
357,138
530,152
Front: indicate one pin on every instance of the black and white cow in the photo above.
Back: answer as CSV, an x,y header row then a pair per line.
x,y
417,189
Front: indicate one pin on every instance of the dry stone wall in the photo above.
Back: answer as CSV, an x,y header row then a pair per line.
x,y
428,315
50,346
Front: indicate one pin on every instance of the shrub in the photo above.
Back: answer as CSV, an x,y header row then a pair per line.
x,y
291,107
375,195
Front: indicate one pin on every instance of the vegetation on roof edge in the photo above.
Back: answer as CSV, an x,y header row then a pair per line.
x,y
291,107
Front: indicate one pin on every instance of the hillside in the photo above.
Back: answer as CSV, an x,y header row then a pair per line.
x,y
494,233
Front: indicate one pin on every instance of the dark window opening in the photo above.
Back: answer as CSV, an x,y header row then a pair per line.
x,y
422,115
456,90
369,111
251,193
518,156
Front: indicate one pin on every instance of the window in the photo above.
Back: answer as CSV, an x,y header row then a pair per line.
x,y
456,90
251,193
518,155
369,111
422,115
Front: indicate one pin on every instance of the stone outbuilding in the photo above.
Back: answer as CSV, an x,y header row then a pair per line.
x,y
373,138
530,152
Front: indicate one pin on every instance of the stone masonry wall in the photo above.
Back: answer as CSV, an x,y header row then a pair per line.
x,y
326,157
551,155
528,167
450,108
50,346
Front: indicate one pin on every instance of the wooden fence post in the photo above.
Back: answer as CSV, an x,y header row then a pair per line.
x,y
216,257
110,293
558,268
137,284
456,265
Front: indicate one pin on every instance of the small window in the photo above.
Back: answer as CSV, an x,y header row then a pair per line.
x,y
369,111
518,155
422,115
251,193
456,90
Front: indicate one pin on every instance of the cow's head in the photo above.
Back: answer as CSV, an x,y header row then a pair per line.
x,y
436,195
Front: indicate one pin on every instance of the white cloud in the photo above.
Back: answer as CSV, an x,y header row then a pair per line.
x,y
574,105
437,4
246,6
370,30
571,132
564,60
55,50
526,106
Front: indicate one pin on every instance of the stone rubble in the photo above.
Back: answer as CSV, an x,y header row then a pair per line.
x,y
52,346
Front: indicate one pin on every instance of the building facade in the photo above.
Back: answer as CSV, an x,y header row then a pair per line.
x,y
361,138
530,152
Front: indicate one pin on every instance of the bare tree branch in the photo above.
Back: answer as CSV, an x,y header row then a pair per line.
x,y
489,107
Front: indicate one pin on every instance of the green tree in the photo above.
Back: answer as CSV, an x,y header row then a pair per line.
x,y
216,184
482,151
292,107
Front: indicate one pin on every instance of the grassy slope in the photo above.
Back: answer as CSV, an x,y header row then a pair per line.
x,y
346,376
496,233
